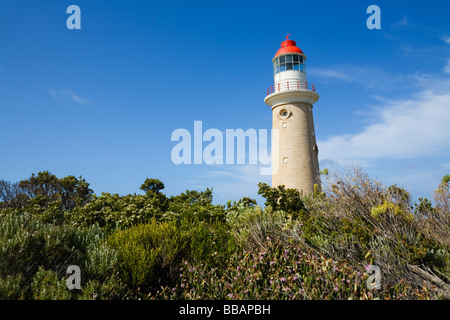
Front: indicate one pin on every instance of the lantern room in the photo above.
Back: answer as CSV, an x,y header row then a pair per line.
x,y
289,61
289,68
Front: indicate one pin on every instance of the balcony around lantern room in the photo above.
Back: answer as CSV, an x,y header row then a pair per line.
x,y
289,85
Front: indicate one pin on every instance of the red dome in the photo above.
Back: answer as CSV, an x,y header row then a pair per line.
x,y
288,46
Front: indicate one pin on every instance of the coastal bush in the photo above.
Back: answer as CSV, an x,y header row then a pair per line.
x,y
147,253
284,272
47,285
151,246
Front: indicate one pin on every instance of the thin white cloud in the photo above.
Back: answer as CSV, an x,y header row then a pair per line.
x,y
446,39
69,95
369,77
329,73
402,23
447,67
403,129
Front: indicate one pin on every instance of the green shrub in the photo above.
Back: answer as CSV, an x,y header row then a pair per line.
x,y
389,210
47,285
110,288
11,288
101,261
111,212
28,243
280,198
193,207
253,225
211,243
147,253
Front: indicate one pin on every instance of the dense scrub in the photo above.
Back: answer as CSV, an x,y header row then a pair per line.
x,y
183,247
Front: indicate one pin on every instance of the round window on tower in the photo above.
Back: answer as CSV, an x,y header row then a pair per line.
x,y
284,114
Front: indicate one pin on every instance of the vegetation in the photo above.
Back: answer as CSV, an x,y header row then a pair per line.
x,y
153,246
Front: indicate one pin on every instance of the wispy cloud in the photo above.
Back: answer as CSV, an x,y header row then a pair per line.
x,y
407,143
446,39
69,95
402,129
369,77
402,23
447,67
329,73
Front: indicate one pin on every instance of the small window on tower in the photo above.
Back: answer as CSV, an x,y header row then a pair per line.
x,y
282,59
288,58
285,160
296,58
284,113
284,124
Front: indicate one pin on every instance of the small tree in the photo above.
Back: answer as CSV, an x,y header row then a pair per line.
x,y
442,194
280,198
45,188
11,195
152,185
152,188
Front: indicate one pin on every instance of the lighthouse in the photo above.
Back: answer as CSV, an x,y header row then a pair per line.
x,y
295,161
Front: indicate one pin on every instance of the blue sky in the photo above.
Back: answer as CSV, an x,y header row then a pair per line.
x,y
103,101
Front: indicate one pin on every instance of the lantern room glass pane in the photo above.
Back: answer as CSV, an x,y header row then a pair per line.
x,y
289,62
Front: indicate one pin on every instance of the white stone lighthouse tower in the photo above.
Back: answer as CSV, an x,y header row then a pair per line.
x,y
291,98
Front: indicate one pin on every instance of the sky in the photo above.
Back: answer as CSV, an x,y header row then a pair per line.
x,y
103,101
